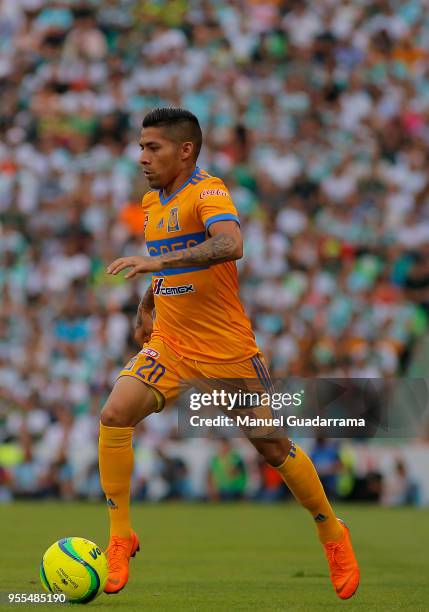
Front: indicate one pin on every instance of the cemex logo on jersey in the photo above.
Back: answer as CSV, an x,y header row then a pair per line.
x,y
213,192
158,289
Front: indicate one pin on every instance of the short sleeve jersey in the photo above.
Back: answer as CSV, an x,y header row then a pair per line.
x,y
198,309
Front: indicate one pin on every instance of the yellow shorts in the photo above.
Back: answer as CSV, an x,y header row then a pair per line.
x,y
159,366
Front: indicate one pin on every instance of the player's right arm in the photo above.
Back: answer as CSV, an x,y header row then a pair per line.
x,y
144,321
224,246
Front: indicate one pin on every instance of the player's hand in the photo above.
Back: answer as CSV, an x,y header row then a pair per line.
x,y
144,327
137,265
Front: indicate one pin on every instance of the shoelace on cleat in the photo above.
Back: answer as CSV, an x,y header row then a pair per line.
x,y
333,552
116,552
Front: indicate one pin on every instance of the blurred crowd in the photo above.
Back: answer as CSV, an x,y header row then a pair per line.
x,y
316,115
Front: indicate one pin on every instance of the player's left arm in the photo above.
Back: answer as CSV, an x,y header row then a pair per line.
x,y
144,321
225,244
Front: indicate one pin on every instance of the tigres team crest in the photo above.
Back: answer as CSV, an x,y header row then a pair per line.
x,y
146,219
173,220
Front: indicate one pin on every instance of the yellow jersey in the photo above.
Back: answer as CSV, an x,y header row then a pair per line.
x,y
198,309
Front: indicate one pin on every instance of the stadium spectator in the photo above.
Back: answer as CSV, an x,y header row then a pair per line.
x,y
272,487
399,489
326,458
227,475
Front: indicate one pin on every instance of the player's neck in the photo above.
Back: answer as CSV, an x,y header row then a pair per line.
x,y
180,179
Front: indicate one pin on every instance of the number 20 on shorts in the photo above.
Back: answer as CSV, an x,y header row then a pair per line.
x,y
152,371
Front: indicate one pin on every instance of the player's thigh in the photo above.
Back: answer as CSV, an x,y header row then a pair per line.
x,y
129,402
252,375
155,380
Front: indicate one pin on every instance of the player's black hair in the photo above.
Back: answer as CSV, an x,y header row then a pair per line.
x,y
179,119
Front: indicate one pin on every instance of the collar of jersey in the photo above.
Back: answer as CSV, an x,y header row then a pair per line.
x,y
165,201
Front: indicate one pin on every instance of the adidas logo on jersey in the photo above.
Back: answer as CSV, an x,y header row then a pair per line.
x,y
158,289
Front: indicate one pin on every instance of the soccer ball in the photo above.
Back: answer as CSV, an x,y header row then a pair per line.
x,y
75,567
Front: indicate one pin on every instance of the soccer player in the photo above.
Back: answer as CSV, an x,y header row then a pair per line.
x,y
200,331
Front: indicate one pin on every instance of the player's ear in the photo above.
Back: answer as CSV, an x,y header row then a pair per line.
x,y
187,150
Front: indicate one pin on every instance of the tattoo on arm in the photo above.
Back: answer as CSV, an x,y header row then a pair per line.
x,y
146,303
217,249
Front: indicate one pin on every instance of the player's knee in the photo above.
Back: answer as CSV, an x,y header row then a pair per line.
x,y
113,416
274,456
274,451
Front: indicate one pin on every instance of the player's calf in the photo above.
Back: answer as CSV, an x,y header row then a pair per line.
x,y
128,403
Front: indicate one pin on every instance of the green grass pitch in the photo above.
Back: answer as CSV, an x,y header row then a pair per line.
x,y
229,557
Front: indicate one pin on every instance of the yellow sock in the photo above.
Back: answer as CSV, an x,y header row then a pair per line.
x,y
116,458
299,474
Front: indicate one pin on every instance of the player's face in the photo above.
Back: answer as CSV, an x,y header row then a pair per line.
x,y
159,156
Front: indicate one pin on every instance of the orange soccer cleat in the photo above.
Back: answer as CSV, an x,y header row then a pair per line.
x,y
118,556
343,566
